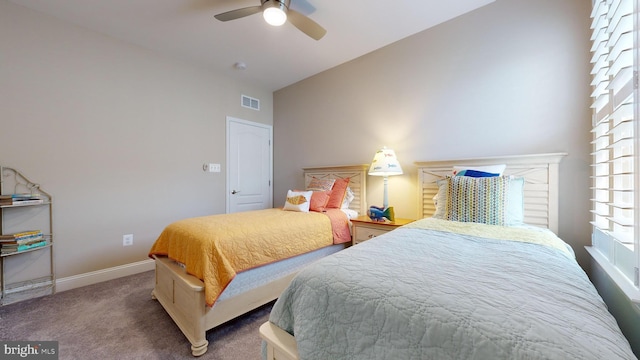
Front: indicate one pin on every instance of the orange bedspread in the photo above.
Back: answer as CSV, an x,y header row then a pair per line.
x,y
215,248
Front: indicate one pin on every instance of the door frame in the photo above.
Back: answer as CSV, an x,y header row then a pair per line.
x,y
229,120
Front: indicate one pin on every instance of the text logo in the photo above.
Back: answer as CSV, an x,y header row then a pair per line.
x,y
41,350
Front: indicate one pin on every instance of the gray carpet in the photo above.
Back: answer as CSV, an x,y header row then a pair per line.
x,y
118,319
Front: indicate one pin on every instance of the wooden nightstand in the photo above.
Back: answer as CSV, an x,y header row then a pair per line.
x,y
365,229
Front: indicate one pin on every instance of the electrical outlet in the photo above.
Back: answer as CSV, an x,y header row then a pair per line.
x,y
127,240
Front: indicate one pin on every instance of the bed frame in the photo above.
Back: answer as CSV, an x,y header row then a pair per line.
x,y
540,171
541,174
182,295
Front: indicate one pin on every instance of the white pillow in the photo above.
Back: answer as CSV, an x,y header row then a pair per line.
x,y
515,205
298,201
348,198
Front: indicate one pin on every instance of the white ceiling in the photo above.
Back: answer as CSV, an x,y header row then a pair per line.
x,y
275,56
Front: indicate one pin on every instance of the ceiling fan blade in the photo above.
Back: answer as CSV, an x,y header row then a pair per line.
x,y
238,13
306,25
302,6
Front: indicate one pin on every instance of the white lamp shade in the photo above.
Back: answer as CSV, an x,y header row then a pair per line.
x,y
385,163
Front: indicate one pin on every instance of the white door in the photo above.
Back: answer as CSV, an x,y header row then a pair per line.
x,y
249,158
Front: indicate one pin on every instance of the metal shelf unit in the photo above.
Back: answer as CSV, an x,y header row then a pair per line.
x,y
28,282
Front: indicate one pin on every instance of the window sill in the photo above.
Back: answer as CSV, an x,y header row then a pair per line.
x,y
626,286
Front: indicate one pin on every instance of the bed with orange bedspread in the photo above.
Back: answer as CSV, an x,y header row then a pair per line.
x,y
201,261
215,248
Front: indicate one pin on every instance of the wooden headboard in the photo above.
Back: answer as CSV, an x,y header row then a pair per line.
x,y
540,172
358,181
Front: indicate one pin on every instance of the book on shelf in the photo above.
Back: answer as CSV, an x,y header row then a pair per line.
x,y
18,202
22,237
12,199
21,196
21,234
11,248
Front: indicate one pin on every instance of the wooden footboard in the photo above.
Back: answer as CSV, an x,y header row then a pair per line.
x,y
280,344
182,296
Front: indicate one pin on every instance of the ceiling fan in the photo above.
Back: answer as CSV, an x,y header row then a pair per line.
x,y
276,13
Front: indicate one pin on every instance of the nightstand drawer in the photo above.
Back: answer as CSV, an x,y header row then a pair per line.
x,y
365,233
364,229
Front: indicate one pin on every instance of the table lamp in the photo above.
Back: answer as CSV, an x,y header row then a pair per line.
x,y
384,164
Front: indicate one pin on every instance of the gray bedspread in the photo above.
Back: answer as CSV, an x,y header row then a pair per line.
x,y
426,294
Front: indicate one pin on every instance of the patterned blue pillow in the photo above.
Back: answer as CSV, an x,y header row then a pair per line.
x,y
480,200
514,202
476,173
491,169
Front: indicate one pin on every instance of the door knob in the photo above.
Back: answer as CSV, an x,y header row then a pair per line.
x,y
234,191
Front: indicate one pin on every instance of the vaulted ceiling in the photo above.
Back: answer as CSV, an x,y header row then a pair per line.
x,y
274,56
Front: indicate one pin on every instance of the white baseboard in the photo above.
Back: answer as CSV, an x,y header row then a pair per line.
x,y
94,277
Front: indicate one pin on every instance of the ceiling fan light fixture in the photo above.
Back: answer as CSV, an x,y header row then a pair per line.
x,y
274,13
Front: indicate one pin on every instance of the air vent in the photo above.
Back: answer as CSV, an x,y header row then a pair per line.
x,y
250,102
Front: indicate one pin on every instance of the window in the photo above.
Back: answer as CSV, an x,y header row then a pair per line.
x,y
615,180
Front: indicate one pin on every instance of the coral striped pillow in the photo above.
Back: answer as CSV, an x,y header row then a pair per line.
x,y
319,200
338,193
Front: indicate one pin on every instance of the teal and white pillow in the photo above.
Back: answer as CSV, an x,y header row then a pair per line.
x,y
515,201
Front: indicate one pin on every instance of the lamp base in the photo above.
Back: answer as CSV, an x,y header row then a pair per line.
x,y
377,213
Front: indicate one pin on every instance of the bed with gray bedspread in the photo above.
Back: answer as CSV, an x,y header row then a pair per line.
x,y
426,294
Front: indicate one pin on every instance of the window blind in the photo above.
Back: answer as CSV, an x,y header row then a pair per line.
x,y
613,118
615,219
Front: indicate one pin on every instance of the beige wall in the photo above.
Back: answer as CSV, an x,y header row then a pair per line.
x,y
509,78
116,133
